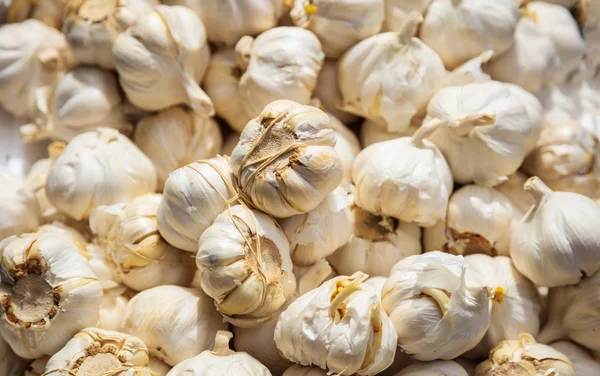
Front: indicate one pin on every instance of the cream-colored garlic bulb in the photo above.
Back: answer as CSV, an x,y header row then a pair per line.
x,y
406,178
459,30
49,12
129,233
101,167
33,55
514,191
390,77
372,133
36,179
176,137
328,92
583,362
556,243
525,357
285,162
229,143
437,315
300,370
281,63
160,62
437,367
346,146
49,292
245,265
483,119
176,323
19,211
397,12
340,327
10,363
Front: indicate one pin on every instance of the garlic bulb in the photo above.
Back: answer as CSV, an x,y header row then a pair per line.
x,y
339,24
328,92
484,119
406,178
49,292
192,198
525,357
220,361
514,191
397,12
582,361
438,367
112,310
372,133
160,62
36,179
459,30
33,55
101,167
49,12
181,326
19,212
10,363
84,99
346,146
435,313
176,137
281,63
556,242
285,163
300,370
129,233
340,327
390,77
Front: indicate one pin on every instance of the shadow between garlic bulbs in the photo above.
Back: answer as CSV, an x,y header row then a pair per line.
x,y
49,12
582,360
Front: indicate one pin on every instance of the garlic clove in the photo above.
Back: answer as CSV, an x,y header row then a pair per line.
x,y
371,133
471,71
300,370
346,146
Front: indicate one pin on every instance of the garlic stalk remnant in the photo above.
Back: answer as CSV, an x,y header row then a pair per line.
x,y
346,146
300,370
397,12
514,191
328,92
180,326
101,167
49,292
437,315
437,367
389,77
36,179
160,62
49,12
556,243
583,362
176,137
10,363
285,163
525,357
19,211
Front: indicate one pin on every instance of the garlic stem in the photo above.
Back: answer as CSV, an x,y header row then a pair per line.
x,y
221,347
410,27
425,131
344,292
439,296
537,189
463,126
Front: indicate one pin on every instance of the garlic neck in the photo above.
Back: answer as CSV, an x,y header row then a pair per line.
x,y
465,125
537,189
440,296
424,131
343,290
410,27
221,347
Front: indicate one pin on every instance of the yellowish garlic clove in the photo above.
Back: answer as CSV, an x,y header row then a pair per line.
x,y
300,370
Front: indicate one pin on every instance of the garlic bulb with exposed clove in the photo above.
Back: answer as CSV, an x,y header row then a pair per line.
x,y
49,12
556,243
437,367
160,62
397,12
514,191
101,167
346,146
10,363
340,327
437,315
372,133
328,92
390,77
32,55
19,211
285,162
49,292
300,370
583,362
176,137
525,357
176,323
36,179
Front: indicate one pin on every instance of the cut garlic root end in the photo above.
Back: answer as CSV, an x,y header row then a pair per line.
x,y
221,347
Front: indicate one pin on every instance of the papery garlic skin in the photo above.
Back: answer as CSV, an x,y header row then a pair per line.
x,y
10,363
535,111
563,102
49,12
19,211
437,367
302,167
311,277
328,92
397,12
582,360
160,62
372,133
514,191
176,137
101,167
181,326
556,242
346,146
67,294
471,71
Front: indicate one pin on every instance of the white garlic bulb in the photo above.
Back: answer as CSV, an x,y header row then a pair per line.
x,y
346,146
484,119
397,12
300,370
459,30
49,293
390,77
285,163
340,327
49,12
180,326
19,211
10,363
101,167
556,242
437,367
281,63
437,315
36,179
583,362
33,55
160,62
328,92
406,178
514,191
176,137
372,133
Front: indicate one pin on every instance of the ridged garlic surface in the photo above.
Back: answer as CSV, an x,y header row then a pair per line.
x,y
193,196
406,178
346,146
37,176
582,360
10,363
176,137
389,77
437,367
49,12
556,243
328,92
397,12
49,293
340,327
160,62
514,191
19,211
437,315
101,167
176,323
285,162
483,119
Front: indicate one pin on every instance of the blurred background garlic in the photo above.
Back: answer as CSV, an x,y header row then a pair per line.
x,y
36,180
346,146
160,63
437,367
101,167
37,367
328,92
49,12
582,360
397,12
19,211
11,363
182,326
372,133
176,137
562,102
